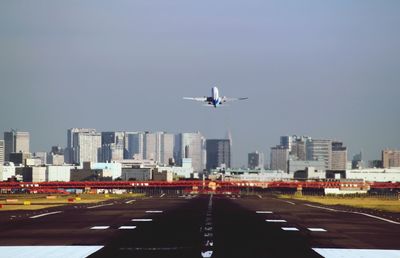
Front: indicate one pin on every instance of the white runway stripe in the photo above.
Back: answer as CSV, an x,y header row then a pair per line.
x,y
45,214
317,229
100,227
48,251
127,227
290,229
355,253
266,212
98,206
142,220
151,211
275,220
127,202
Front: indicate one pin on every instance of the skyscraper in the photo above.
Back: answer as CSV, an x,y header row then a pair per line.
x,y
72,135
255,160
1,152
15,141
339,156
391,158
191,145
150,148
279,158
112,152
135,145
218,153
84,145
167,147
320,150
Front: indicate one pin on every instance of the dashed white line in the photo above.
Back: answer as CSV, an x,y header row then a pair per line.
x,y
264,212
127,227
100,227
259,196
45,214
154,211
142,220
128,202
161,196
290,229
102,205
275,220
317,229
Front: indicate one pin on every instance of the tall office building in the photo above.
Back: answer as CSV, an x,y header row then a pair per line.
x,y
1,152
256,160
279,158
14,142
150,148
112,152
71,150
167,147
113,137
218,153
191,145
85,145
390,158
135,145
357,162
320,150
339,156
286,142
299,148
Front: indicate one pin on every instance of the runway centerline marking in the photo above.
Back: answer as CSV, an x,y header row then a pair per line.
x,y
100,227
154,211
127,202
142,220
317,229
275,220
264,212
290,229
354,212
127,227
45,214
98,206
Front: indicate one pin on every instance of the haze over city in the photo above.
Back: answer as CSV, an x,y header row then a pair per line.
x,y
328,70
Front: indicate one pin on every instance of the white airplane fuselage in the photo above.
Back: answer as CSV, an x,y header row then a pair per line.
x,y
215,99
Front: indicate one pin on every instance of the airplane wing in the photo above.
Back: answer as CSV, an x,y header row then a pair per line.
x,y
202,99
225,99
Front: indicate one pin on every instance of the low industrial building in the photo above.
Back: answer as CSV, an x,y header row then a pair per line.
x,y
87,173
137,174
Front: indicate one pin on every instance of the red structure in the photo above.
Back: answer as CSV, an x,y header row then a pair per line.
x,y
232,186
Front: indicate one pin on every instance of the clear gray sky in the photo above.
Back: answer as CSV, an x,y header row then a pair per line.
x,y
321,68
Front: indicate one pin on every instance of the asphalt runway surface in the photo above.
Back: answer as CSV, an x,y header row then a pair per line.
x,y
203,226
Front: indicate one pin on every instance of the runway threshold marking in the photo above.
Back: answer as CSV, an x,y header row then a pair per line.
x,y
355,212
100,227
128,202
98,206
45,214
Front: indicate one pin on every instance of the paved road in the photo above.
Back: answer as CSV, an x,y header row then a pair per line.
x,y
202,226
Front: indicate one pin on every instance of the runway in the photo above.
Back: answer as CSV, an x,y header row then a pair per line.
x,y
200,226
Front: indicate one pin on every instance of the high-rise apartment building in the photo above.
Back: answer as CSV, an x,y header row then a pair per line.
x,y
218,153
390,158
320,149
279,158
255,160
14,142
339,156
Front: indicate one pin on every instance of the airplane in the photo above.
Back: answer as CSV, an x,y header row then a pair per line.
x,y
215,100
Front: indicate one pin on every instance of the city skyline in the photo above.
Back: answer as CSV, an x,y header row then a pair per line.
x,y
309,68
